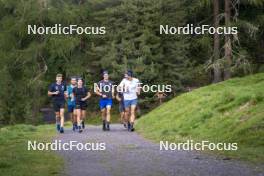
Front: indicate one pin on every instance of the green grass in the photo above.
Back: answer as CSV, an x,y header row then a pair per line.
x,y
231,111
15,159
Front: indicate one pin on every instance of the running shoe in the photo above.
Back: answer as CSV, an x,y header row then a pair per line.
x,y
58,127
61,130
128,126
80,129
104,126
107,126
132,127
76,126
83,125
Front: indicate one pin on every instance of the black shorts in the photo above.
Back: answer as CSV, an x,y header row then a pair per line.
x,y
58,105
121,107
81,105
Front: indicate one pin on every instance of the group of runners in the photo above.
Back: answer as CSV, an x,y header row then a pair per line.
x,y
77,94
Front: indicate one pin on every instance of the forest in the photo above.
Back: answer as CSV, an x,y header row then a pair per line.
x,y
29,63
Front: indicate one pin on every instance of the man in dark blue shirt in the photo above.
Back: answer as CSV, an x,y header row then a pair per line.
x,y
105,90
57,91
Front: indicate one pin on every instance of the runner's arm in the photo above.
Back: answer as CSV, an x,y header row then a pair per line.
x,y
97,91
118,98
51,91
113,93
120,87
88,96
73,93
139,87
65,92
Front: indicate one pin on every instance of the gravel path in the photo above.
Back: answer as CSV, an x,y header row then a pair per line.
x,y
131,155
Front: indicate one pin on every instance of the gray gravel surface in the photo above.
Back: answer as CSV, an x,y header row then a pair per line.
x,y
128,154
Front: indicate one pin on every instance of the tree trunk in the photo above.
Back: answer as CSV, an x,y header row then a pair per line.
x,y
216,69
228,46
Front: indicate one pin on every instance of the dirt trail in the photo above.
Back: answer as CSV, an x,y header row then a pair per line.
x,y
131,155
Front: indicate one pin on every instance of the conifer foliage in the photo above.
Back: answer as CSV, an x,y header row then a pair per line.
x,y
29,63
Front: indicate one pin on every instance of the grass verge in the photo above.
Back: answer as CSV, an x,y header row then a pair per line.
x,y
231,111
15,159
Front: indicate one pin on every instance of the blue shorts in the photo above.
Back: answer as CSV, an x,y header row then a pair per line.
x,y
128,103
105,102
71,108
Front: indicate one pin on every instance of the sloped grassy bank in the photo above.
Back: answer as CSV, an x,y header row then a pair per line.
x,y
231,111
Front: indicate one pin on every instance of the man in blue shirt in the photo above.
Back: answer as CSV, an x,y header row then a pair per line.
x,y
105,90
71,103
57,91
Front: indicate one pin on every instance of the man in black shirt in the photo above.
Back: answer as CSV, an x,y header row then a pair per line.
x,y
57,91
